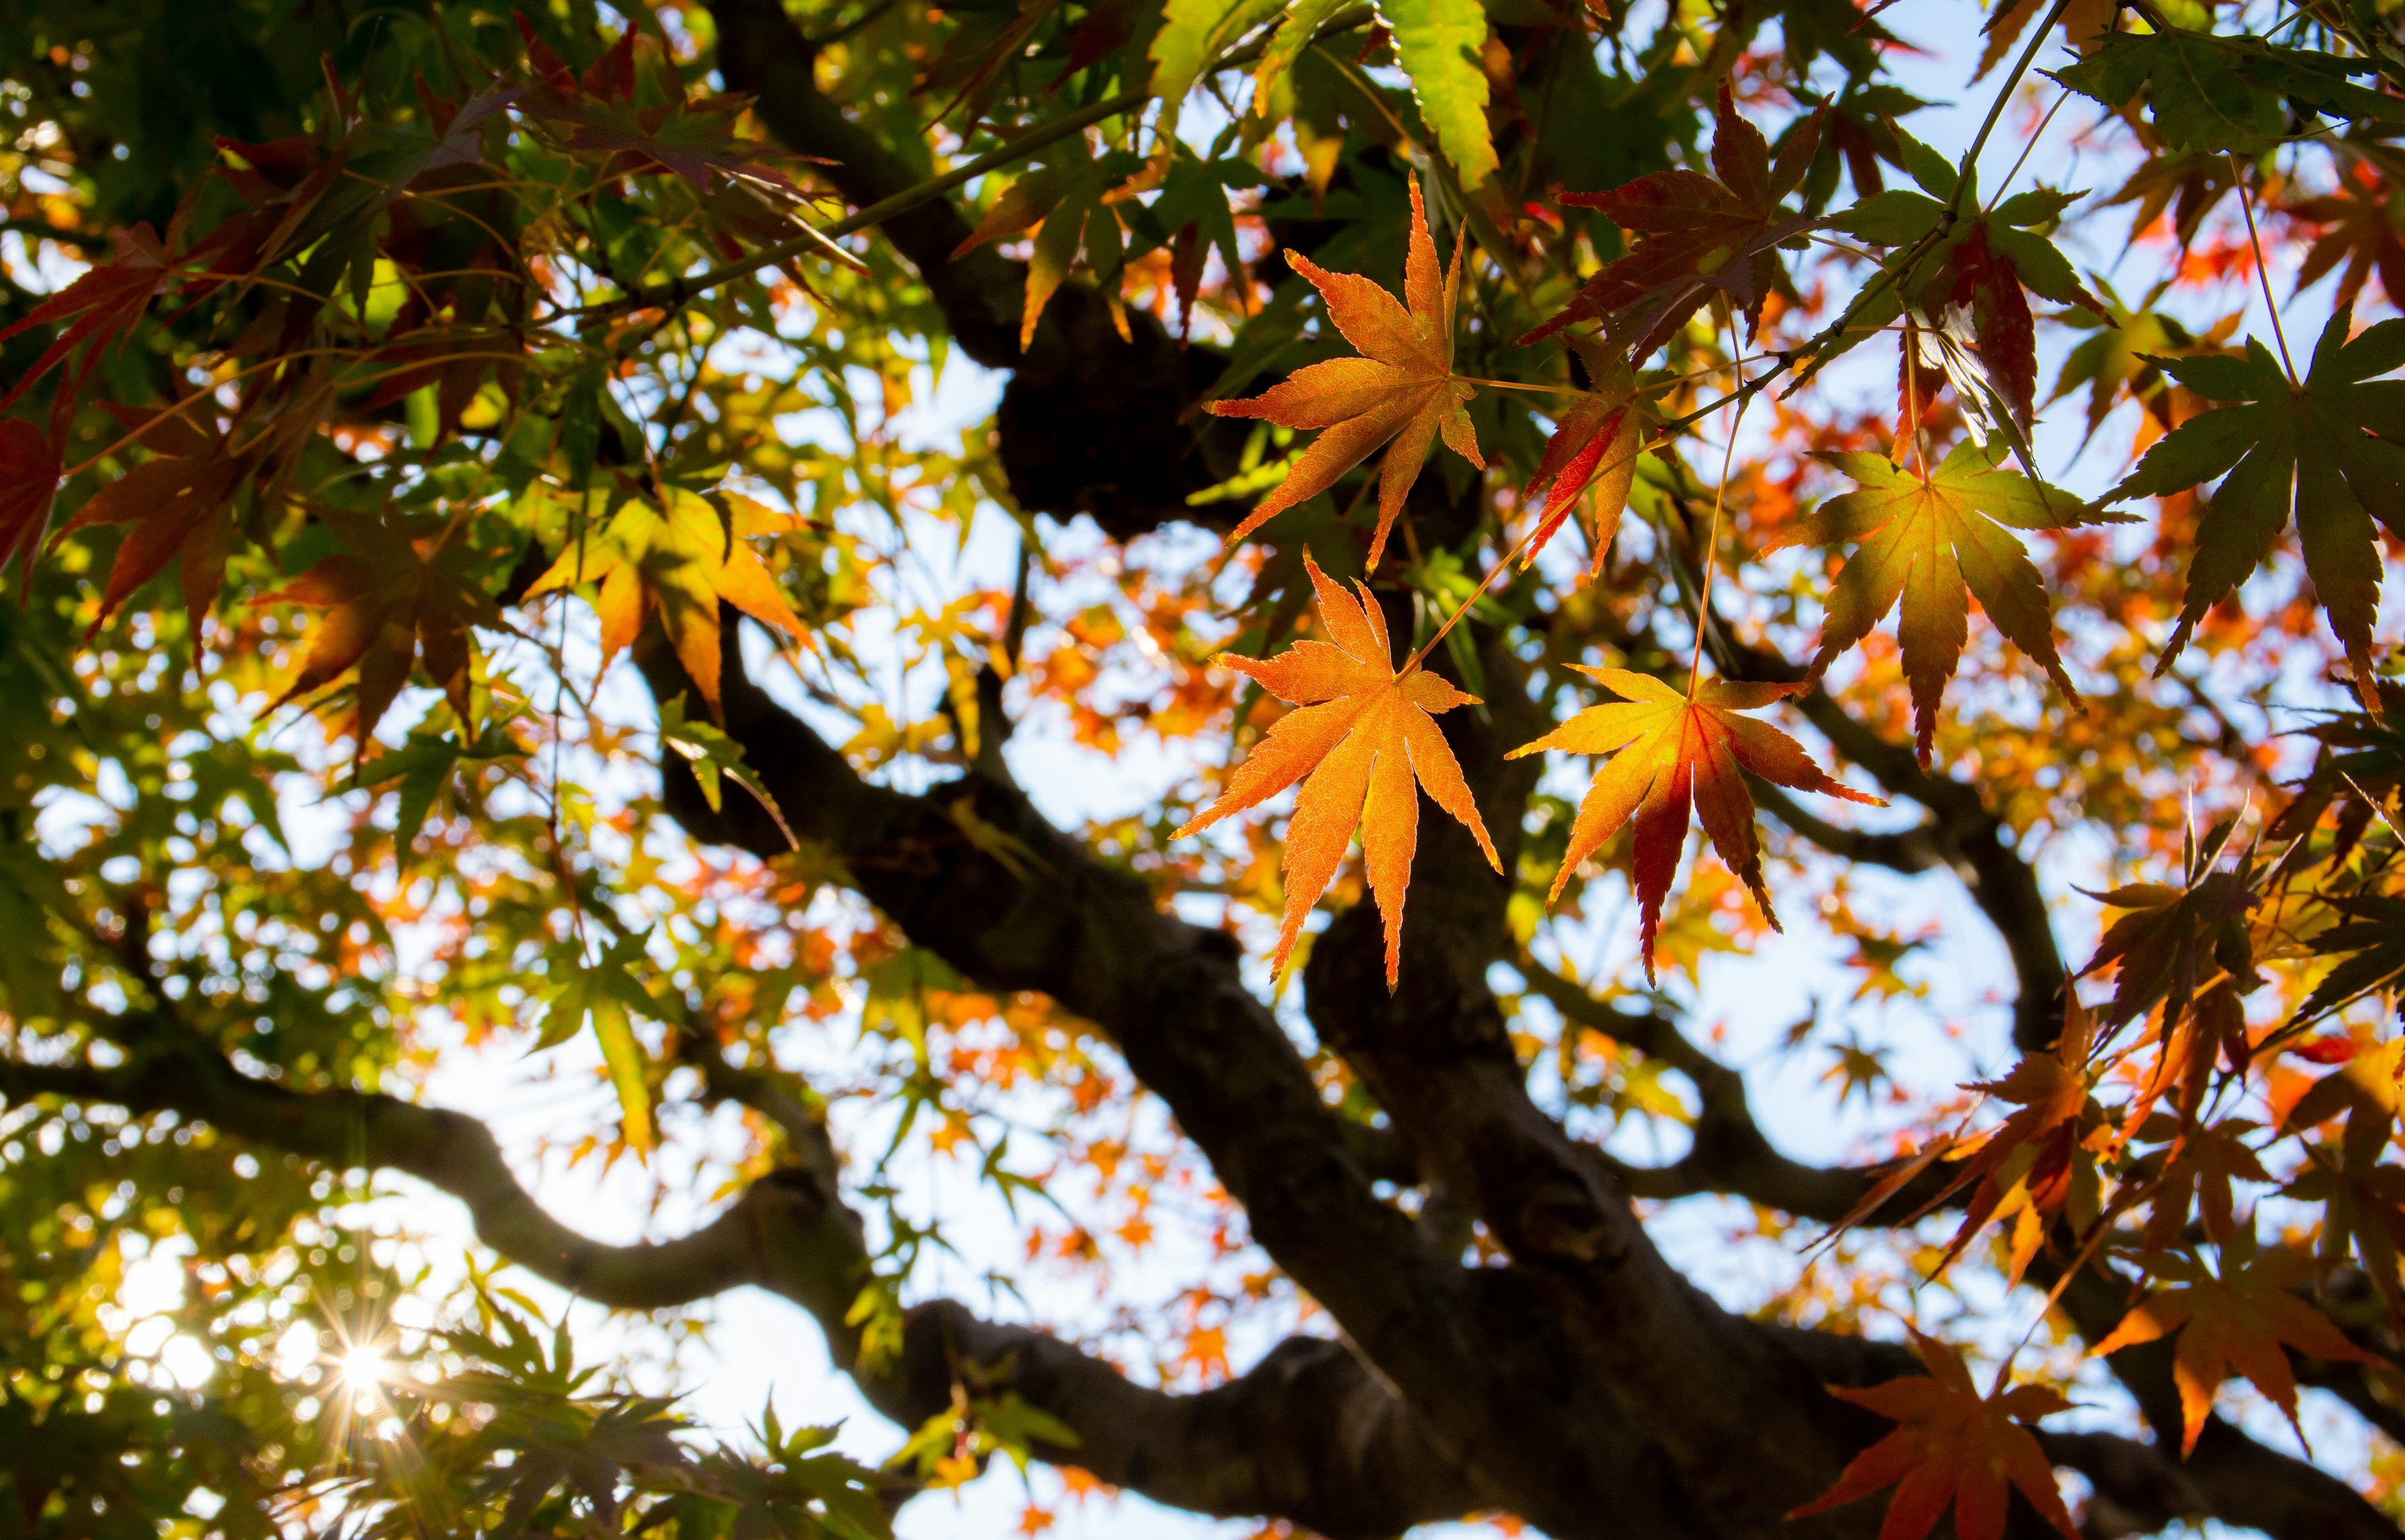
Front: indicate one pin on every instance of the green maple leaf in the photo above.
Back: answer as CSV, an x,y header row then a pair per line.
x,y
612,996
1931,541
2323,450
2217,94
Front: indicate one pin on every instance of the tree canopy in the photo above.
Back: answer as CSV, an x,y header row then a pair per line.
x,y
488,525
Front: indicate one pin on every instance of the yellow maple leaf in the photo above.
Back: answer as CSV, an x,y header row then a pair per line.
x,y
685,559
1363,734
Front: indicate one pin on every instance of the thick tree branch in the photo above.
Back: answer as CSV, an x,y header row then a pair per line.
x,y
1730,1153
1308,1434
1088,424
1741,1418
1476,1351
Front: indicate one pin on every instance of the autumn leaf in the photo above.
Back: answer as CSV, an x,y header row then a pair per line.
x,y
1594,446
29,483
1362,735
2236,1323
1954,1447
2368,1088
1402,390
2025,1166
2364,1211
2199,1172
101,306
1670,751
1694,235
2361,220
1982,266
180,502
1933,540
682,560
2369,943
2166,935
2329,449
2083,20
2124,356
395,597
1064,203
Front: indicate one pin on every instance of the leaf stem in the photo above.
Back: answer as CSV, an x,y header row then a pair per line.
x,y
2262,268
1711,550
2004,95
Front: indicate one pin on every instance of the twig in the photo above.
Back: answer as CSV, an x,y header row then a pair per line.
x,y
2262,268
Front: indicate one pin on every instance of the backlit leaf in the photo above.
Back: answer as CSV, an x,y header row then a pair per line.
x,y
1933,541
2237,1322
2332,451
1954,1447
1364,737
1403,390
1671,751
1438,42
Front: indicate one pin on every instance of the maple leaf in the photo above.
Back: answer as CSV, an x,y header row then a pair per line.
x,y
1066,204
608,992
2328,449
2124,355
2363,1207
1362,735
2236,1323
2082,21
1670,751
2361,217
2166,932
1985,266
1404,388
2221,93
1594,446
2026,1166
102,305
683,559
2371,943
1695,236
2200,1171
397,596
1953,1447
2369,1089
180,502
29,483
1931,541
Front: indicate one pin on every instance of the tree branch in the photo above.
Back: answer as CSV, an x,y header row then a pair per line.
x,y
1307,1435
1475,1350
1088,424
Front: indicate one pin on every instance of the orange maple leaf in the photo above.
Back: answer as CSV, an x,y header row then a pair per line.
x,y
1670,751
1694,235
685,559
394,598
2237,1322
1954,1445
1404,389
1363,734
1595,444
1928,542
2026,1166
